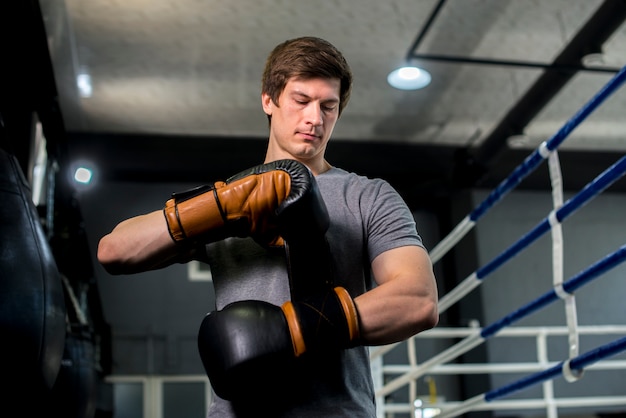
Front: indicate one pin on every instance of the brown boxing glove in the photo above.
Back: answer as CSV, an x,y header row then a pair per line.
x,y
244,205
326,321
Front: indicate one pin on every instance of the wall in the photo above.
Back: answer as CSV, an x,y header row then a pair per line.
x,y
154,315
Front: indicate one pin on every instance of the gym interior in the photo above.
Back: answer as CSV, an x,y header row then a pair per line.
x,y
109,107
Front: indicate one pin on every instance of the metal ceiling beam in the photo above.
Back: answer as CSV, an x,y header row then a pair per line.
x,y
604,22
511,63
422,34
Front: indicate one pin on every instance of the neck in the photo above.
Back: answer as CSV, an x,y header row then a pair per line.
x,y
317,167
323,167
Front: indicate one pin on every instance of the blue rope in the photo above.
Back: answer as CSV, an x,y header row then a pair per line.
x,y
600,183
576,363
535,158
569,286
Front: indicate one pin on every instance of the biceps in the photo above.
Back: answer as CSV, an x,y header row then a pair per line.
x,y
410,263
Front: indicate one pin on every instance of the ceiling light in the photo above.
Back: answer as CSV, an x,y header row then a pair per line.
x,y
518,141
83,82
409,78
594,59
83,175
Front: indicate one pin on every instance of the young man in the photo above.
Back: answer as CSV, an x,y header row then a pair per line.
x,y
306,85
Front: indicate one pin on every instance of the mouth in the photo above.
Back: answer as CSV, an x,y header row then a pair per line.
x,y
309,136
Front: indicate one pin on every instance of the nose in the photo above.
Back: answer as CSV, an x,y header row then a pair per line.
x,y
314,115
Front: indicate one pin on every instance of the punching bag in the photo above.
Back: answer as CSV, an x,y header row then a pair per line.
x,y
74,394
32,305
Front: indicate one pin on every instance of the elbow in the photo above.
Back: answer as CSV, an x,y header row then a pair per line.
x,y
432,318
427,317
430,311
108,257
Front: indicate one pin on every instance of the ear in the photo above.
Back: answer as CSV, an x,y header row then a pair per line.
x,y
268,104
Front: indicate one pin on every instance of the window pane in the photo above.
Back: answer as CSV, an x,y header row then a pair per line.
x,y
184,400
128,400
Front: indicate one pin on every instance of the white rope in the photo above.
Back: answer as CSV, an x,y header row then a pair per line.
x,y
445,356
569,374
413,362
543,150
464,407
556,230
456,294
451,239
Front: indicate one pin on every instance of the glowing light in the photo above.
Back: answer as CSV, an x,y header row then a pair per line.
x,y
83,81
409,78
83,175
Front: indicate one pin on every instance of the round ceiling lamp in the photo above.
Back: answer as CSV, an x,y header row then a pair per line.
x,y
409,78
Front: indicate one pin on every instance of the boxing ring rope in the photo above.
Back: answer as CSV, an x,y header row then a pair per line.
x,y
491,330
598,185
569,301
541,335
526,167
592,189
564,367
571,368
544,151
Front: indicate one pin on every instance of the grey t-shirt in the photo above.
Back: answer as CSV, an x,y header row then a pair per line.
x,y
368,217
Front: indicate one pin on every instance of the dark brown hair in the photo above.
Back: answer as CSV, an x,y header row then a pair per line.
x,y
306,57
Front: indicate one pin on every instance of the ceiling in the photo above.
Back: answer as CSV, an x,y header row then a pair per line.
x,y
175,84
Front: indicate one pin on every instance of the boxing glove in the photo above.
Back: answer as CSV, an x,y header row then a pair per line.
x,y
328,321
247,340
244,205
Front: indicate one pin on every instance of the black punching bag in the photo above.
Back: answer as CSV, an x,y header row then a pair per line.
x,y
75,392
32,305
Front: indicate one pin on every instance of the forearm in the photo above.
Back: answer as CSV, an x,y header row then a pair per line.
x,y
405,301
137,244
388,316
244,205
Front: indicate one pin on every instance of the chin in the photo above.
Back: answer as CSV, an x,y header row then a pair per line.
x,y
305,153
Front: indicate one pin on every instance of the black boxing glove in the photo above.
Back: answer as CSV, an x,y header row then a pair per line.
x,y
244,205
327,321
249,339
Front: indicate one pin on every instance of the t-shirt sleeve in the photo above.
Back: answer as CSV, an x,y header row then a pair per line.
x,y
389,222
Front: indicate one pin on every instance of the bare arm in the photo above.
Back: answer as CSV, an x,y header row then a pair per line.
x,y
405,300
139,244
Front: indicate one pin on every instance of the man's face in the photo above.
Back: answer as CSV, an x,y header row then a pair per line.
x,y
304,117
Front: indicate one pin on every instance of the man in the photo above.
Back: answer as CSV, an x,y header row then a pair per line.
x,y
306,85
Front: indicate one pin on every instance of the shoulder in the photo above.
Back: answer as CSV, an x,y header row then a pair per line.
x,y
338,180
372,198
